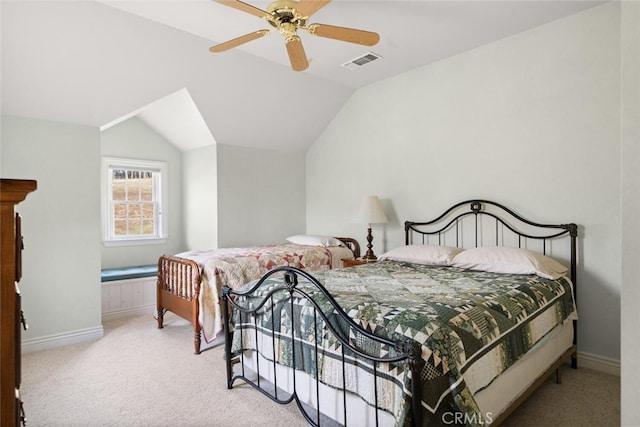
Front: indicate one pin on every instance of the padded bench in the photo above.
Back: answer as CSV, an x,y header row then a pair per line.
x,y
125,273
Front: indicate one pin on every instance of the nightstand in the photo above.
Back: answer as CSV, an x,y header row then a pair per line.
x,y
353,262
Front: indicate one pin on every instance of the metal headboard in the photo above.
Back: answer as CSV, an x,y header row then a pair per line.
x,y
474,223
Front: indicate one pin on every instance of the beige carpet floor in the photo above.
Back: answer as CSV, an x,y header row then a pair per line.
x,y
138,375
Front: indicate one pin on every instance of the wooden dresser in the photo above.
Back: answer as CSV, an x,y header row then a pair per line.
x,y
12,192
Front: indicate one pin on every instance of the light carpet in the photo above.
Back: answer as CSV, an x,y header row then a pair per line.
x,y
138,375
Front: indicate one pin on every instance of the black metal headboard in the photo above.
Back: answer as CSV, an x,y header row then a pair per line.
x,y
474,223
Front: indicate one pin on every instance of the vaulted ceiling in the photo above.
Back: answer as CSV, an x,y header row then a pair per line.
x,y
97,63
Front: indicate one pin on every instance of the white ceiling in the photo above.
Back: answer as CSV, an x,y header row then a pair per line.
x,y
96,63
412,33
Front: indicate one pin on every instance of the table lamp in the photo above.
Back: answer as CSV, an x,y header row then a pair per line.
x,y
370,212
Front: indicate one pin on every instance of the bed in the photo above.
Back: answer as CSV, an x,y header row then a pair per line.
x,y
189,283
457,327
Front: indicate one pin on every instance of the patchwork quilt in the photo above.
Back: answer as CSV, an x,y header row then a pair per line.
x,y
459,317
236,267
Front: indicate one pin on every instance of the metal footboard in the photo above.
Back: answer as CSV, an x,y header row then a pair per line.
x,y
250,317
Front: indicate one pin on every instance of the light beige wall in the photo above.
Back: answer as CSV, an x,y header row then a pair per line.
x,y
630,211
531,121
61,224
135,140
261,195
200,191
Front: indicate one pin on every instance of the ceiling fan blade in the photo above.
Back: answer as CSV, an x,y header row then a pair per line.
x,y
297,56
237,4
309,7
350,35
238,41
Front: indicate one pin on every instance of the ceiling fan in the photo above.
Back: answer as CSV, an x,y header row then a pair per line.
x,y
289,16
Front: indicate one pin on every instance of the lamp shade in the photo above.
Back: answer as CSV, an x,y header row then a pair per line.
x,y
370,211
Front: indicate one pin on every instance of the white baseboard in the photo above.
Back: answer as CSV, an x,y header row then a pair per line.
x,y
598,363
120,298
60,340
135,311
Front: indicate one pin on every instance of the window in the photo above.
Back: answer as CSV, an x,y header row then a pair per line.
x,y
134,193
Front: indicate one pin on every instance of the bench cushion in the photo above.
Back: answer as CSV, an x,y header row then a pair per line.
x,y
124,273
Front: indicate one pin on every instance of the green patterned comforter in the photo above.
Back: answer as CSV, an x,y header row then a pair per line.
x,y
459,317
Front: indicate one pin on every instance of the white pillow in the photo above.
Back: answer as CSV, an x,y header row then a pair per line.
x,y
509,260
422,254
314,240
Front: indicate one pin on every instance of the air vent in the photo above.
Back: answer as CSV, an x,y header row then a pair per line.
x,y
361,60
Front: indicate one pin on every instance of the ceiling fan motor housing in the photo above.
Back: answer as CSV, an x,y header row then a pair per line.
x,y
285,17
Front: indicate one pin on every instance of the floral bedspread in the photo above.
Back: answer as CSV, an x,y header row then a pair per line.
x,y
459,317
235,267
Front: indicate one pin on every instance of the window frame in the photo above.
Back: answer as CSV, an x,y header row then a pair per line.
x,y
159,170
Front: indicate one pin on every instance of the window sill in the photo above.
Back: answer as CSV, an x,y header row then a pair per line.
x,y
134,242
